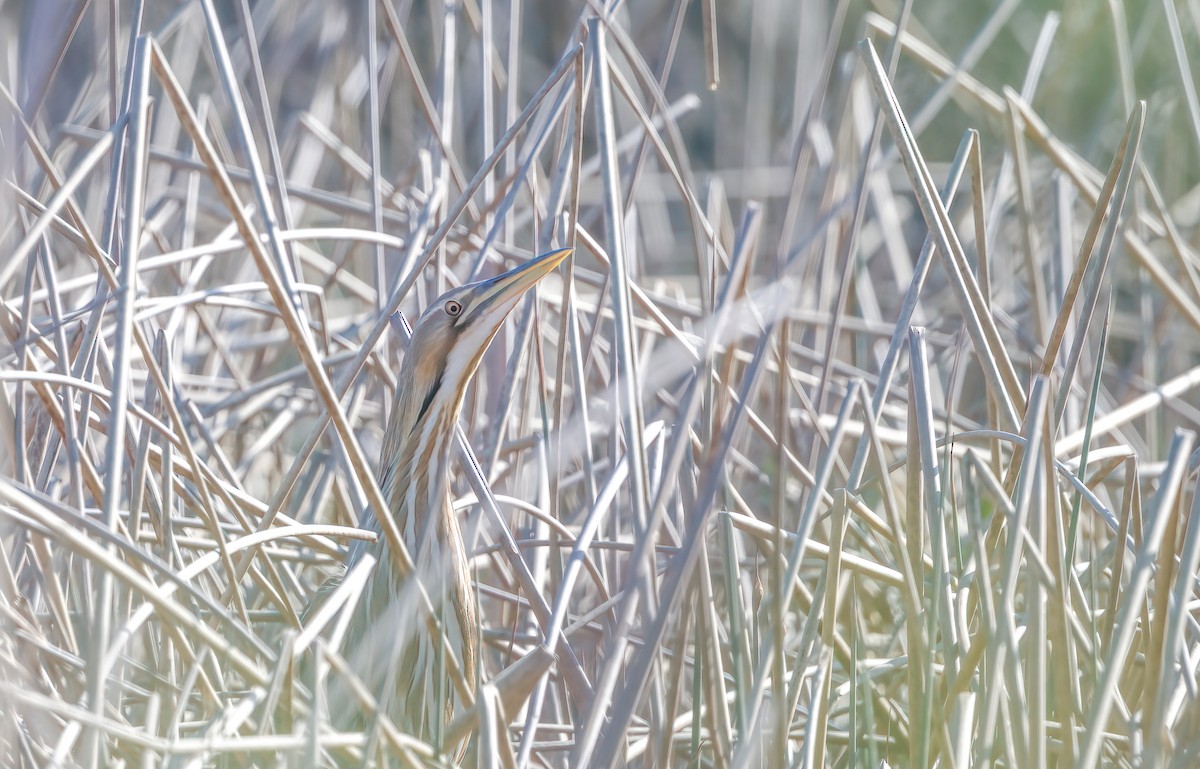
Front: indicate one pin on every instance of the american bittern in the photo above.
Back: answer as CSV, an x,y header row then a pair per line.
x,y
387,642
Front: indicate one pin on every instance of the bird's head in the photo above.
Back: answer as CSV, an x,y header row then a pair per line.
x,y
450,337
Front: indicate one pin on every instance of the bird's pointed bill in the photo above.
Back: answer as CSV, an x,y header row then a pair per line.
x,y
518,280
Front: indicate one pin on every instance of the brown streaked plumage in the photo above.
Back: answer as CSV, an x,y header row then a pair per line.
x,y
387,642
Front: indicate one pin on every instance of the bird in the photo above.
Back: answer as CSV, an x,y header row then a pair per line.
x,y
387,642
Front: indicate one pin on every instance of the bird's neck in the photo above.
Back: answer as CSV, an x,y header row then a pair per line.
x,y
414,463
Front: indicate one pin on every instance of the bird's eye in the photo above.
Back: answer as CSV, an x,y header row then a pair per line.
x,y
453,308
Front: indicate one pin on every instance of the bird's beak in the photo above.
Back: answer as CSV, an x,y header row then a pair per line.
x,y
503,290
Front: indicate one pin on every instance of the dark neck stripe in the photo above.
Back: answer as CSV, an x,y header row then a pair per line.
x,y
429,396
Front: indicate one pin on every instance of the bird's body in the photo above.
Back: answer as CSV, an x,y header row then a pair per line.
x,y
388,619
388,643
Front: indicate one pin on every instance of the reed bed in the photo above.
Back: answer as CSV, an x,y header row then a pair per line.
x,y
858,431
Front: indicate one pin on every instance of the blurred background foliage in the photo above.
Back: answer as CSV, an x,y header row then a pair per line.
x,y
770,52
